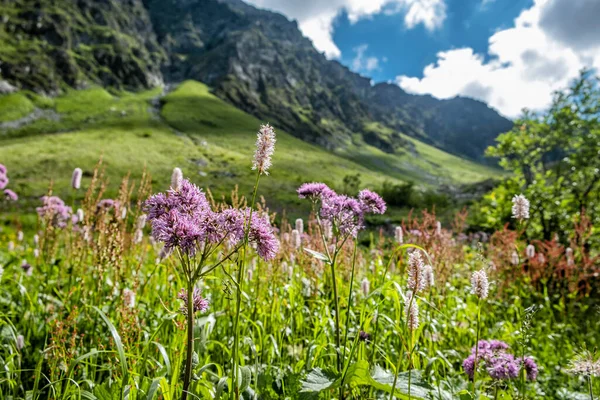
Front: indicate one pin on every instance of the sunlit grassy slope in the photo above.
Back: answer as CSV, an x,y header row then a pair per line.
x,y
212,142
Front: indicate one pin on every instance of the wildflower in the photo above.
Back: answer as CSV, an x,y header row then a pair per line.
x,y
364,336
531,368
300,225
569,254
585,364
479,284
20,236
503,366
124,213
520,207
265,146
80,215
261,234
296,239
438,228
530,251
514,258
107,204
36,253
365,285
129,298
36,239
344,213
176,179
371,202
313,190
398,236
412,311
416,279
428,276
10,195
2,169
26,267
11,246
138,236
199,302
20,342
76,178
54,211
3,181
469,365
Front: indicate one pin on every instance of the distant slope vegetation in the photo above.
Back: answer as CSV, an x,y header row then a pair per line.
x,y
210,140
256,60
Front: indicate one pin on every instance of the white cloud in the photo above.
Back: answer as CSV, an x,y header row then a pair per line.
x,y
527,64
316,17
361,63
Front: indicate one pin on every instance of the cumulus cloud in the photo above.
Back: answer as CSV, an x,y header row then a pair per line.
x,y
316,17
529,61
363,63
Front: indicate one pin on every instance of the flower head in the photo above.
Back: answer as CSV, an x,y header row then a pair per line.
x,y
371,202
412,311
3,181
262,235
3,169
10,195
176,178
531,368
428,276
503,366
300,225
54,211
398,235
530,251
76,178
344,213
296,239
585,364
365,286
199,302
520,207
416,276
480,284
265,146
313,190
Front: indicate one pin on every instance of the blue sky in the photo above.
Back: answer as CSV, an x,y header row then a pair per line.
x,y
511,54
403,51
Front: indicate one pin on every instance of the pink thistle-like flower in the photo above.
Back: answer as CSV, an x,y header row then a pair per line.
x,y
54,211
262,235
199,302
412,311
531,368
3,169
10,195
265,146
3,181
313,190
371,202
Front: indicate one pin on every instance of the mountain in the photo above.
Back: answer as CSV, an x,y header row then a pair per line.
x,y
256,60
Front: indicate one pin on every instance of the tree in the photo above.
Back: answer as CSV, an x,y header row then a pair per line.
x,y
554,159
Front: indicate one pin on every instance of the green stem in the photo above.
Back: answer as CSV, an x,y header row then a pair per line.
x,y
242,263
412,297
591,387
190,340
476,346
337,313
348,308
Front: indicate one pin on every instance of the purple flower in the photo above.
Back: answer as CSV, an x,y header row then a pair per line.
x,y
199,302
469,365
54,211
345,213
371,202
10,195
364,336
261,233
3,181
2,169
503,366
231,221
313,190
531,368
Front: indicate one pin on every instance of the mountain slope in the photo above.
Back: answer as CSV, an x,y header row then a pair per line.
x,y
256,60
210,140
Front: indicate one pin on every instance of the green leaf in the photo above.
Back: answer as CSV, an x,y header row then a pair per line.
x,y
384,380
317,255
118,343
318,380
245,377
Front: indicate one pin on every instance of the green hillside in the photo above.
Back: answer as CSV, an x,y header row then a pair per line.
x,y
210,140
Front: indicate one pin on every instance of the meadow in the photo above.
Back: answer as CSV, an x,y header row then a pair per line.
x,y
156,289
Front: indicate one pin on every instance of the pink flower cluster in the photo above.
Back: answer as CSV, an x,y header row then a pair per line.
x,y
182,218
8,194
54,211
498,362
344,213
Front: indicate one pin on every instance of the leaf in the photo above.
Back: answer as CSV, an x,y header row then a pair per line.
x,y
318,380
118,343
153,389
317,255
384,380
245,376
221,388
